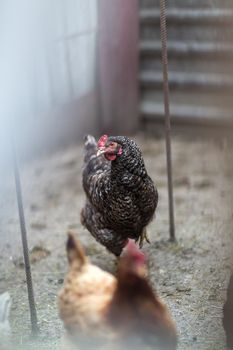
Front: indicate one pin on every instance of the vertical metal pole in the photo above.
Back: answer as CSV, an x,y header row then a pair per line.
x,y
163,28
32,307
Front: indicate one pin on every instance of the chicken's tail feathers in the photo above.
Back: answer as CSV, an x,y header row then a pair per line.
x,y
90,147
89,141
5,305
75,252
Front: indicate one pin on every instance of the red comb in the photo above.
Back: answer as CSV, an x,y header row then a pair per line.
x,y
133,251
102,141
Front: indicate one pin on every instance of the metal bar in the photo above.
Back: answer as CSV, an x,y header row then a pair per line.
x,y
163,28
31,299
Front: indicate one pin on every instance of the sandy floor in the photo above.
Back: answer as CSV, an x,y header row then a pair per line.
x,y
190,275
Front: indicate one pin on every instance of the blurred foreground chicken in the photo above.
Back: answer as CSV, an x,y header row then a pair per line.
x,y
228,315
100,311
121,197
5,331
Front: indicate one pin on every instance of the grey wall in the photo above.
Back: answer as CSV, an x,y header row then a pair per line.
x,y
48,72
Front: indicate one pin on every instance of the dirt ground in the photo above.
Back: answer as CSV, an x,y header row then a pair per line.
x,y
190,275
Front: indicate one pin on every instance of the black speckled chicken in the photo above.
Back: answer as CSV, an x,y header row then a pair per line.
x,y
121,197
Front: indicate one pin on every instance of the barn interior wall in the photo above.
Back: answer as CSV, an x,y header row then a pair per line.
x,y
48,74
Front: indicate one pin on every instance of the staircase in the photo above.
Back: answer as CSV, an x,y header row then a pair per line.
x,y
200,54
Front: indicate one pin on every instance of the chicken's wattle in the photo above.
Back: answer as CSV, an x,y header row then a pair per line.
x,y
110,156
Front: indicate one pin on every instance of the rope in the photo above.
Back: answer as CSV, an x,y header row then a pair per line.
x,y
32,307
163,29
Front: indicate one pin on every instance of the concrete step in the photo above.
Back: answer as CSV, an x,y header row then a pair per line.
x,y
206,25
200,53
188,3
180,80
201,57
194,63
189,32
182,49
188,16
186,114
214,98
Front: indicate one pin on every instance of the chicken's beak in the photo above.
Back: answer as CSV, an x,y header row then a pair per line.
x,y
100,151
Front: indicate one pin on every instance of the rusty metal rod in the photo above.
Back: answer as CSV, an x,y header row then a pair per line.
x,y
163,29
31,299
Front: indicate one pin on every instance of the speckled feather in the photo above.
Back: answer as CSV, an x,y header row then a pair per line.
x,y
121,197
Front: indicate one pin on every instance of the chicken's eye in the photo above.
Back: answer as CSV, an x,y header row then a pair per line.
x,y
111,144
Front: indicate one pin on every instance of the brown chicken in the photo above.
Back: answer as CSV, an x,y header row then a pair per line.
x,y
100,311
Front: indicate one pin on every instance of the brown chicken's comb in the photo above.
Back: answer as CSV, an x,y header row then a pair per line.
x,y
102,141
133,251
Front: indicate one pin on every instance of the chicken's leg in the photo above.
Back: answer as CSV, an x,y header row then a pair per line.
x,y
142,238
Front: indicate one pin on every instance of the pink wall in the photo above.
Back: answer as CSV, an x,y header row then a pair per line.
x,y
118,65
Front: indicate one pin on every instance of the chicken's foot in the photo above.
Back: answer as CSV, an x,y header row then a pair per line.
x,y
142,238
